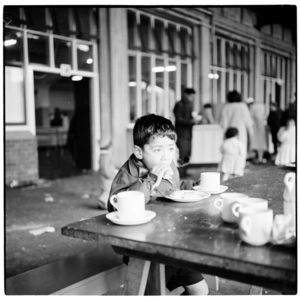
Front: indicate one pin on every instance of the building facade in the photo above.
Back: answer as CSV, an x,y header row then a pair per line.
x,y
103,67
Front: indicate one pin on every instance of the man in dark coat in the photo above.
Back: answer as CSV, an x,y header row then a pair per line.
x,y
184,122
273,121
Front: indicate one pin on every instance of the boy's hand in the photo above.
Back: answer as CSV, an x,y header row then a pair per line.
x,y
161,171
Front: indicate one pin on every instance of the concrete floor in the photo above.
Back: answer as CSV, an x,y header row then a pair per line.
x,y
57,203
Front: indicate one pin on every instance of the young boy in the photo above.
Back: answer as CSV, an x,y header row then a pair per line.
x,y
151,169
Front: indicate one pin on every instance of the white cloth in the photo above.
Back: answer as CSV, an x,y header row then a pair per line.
x,y
237,115
258,139
287,150
234,154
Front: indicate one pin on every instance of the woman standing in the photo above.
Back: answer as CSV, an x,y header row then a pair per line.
x,y
236,114
258,141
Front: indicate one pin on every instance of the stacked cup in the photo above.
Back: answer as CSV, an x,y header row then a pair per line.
x,y
254,218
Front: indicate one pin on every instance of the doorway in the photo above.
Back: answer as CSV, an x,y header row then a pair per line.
x,y
63,127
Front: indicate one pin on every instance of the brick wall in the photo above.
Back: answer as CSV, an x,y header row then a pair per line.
x,y
21,157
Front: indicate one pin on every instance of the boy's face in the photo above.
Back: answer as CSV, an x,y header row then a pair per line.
x,y
159,150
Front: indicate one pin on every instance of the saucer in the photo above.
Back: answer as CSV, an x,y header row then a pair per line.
x,y
221,190
113,217
187,196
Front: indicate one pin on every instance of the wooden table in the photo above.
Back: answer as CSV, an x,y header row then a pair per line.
x,y
192,235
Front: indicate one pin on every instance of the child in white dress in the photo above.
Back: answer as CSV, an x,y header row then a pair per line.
x,y
234,155
287,138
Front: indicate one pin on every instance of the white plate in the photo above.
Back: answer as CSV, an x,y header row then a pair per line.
x,y
113,217
221,190
188,196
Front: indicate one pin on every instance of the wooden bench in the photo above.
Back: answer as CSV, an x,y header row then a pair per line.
x,y
96,271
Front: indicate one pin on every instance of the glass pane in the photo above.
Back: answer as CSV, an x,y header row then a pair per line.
x,y
172,38
219,52
172,88
84,18
219,91
234,81
183,77
13,46
229,56
132,88
132,28
146,93
228,88
62,52
11,15
183,42
36,17
244,97
60,19
85,57
144,32
159,88
158,36
38,49
14,95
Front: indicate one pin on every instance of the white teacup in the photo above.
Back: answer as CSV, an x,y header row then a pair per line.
x,y
130,204
225,202
210,181
255,225
248,202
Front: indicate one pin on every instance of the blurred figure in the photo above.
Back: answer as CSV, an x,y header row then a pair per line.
x,y
287,138
234,153
65,120
207,116
107,173
291,111
184,122
258,140
236,114
273,122
57,120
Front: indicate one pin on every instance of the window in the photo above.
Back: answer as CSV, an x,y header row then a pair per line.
x,y
275,74
230,69
160,63
38,49
13,47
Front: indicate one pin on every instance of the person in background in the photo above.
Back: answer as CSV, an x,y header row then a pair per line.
x,y
236,114
151,169
287,138
258,140
107,173
273,122
233,155
57,120
207,117
184,122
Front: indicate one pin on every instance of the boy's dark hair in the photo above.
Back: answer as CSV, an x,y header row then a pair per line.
x,y
152,125
231,132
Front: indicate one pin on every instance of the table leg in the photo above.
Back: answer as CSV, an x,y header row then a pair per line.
x,y
156,284
136,277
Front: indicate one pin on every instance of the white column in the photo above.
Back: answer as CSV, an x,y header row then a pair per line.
x,y
119,82
204,64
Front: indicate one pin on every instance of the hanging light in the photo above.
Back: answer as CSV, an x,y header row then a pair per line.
x,y
76,78
171,68
10,42
89,61
158,69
